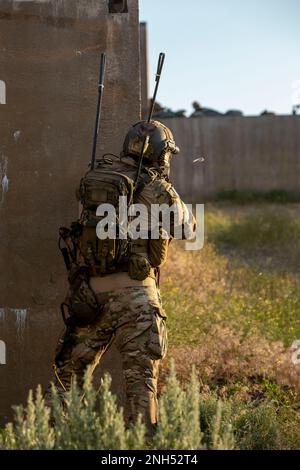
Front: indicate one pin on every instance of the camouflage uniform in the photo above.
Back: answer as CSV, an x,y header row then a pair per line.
x,y
132,317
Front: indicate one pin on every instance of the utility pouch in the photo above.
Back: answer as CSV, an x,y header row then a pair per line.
x,y
139,267
88,243
158,338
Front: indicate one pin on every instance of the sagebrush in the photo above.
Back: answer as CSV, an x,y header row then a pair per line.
x,y
189,420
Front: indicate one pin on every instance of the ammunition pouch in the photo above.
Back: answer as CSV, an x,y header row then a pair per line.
x,y
98,253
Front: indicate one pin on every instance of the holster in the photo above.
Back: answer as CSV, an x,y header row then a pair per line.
x,y
81,301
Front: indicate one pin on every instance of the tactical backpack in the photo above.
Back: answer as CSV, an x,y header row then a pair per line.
x,y
104,185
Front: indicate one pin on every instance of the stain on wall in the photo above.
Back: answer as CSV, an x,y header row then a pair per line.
x,y
2,353
3,178
2,92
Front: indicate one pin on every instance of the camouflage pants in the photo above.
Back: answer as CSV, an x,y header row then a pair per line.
x,y
134,320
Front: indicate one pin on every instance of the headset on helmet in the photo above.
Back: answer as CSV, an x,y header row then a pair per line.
x,y
159,147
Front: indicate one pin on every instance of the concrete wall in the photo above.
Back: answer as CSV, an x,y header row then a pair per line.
x,y
242,153
49,61
144,69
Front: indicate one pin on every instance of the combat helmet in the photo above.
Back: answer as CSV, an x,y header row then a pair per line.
x,y
160,144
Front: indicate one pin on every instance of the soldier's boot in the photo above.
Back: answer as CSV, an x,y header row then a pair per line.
x,y
70,364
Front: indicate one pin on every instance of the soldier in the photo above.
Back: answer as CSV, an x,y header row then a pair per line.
x,y
114,284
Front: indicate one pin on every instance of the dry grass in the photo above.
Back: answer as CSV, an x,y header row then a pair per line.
x,y
234,307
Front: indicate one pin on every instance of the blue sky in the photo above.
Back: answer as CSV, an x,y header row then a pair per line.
x,y
227,54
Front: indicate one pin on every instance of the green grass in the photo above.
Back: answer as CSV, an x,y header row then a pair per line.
x,y
246,197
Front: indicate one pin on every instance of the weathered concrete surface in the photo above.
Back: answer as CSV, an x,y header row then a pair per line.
x,y
242,153
144,69
49,60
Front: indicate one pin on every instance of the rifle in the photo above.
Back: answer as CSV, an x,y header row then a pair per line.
x,y
99,106
160,65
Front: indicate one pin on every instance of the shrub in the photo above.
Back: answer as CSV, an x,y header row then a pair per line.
x,y
258,428
189,420
80,424
179,424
